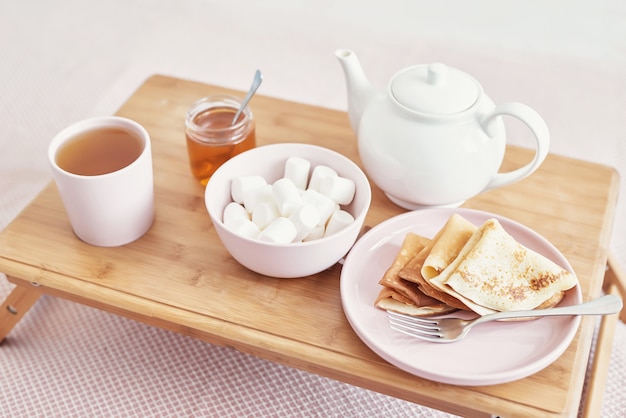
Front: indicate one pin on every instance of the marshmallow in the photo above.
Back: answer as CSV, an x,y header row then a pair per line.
x,y
316,233
305,218
320,172
264,213
323,204
280,231
286,196
234,215
297,170
240,186
338,220
340,189
257,195
247,228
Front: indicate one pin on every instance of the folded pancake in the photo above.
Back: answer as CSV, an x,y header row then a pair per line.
x,y
447,245
494,272
403,296
443,249
389,300
390,293
412,272
411,245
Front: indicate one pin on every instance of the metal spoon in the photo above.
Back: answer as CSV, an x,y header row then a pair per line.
x,y
255,85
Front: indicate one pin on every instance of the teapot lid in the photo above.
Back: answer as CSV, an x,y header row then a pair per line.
x,y
435,89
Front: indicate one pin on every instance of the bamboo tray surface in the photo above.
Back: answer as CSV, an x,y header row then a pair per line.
x,y
179,276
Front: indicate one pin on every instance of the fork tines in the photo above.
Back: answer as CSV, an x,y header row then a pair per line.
x,y
414,326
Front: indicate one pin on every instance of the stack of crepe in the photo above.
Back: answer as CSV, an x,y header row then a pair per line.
x,y
481,269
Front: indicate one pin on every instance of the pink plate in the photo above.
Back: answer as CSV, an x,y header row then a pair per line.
x,y
492,353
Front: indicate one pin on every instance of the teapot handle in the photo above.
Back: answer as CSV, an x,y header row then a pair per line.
x,y
539,129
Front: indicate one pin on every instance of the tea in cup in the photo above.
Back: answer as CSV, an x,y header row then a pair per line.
x,y
103,170
213,138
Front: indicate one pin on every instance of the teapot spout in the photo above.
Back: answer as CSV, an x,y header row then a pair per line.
x,y
358,87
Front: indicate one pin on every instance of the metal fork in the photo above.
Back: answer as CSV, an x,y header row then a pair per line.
x,y
447,330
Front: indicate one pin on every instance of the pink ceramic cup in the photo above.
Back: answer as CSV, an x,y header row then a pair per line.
x,y
114,208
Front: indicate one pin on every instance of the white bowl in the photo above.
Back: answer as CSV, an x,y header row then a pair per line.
x,y
295,259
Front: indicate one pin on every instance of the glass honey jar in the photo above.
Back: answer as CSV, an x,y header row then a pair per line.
x,y
212,136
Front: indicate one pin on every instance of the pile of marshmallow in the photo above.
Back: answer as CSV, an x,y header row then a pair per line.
x,y
294,208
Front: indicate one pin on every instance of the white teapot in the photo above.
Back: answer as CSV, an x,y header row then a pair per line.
x,y
434,138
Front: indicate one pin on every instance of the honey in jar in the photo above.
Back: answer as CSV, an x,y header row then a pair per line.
x,y
211,136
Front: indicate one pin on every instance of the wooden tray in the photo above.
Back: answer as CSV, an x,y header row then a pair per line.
x,y
179,277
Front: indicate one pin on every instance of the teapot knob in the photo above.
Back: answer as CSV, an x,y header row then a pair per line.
x,y
437,74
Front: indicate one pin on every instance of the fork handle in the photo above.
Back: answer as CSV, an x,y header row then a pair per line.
x,y
605,305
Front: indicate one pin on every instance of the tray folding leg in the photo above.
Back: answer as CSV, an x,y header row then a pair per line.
x,y
16,304
616,276
614,283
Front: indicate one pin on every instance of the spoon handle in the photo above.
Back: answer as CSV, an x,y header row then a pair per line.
x,y
256,82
